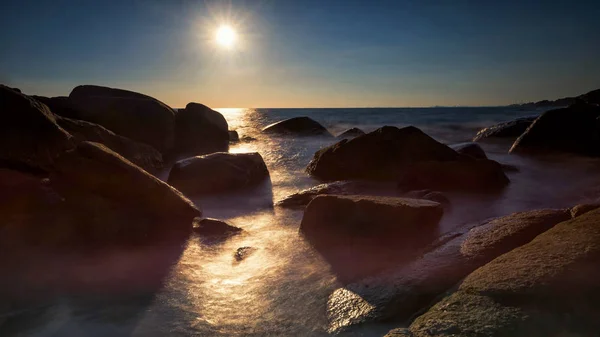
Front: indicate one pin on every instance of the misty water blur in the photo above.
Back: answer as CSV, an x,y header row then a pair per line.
x,y
282,287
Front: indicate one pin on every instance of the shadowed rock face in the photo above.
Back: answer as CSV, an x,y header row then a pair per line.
x,y
130,114
572,130
399,294
472,150
200,130
214,227
512,129
61,106
297,126
218,172
29,133
547,287
351,133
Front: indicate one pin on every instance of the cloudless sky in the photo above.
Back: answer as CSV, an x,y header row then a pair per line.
x,y
309,53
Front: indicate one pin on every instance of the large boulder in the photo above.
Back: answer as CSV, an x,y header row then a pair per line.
x,y
351,133
398,294
360,235
547,287
29,133
511,129
130,114
218,172
297,126
570,130
200,130
378,155
61,106
469,149
143,155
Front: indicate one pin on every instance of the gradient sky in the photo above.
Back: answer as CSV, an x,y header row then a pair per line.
x,y
324,53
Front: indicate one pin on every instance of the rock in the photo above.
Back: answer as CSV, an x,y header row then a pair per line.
x,y
509,168
248,139
399,332
379,155
298,126
401,292
511,129
303,198
583,208
29,133
130,114
472,150
592,97
61,106
143,155
438,197
569,130
214,227
218,172
544,288
351,133
242,253
233,136
481,175
93,169
201,130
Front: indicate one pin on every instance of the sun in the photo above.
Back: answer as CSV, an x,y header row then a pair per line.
x,y
226,36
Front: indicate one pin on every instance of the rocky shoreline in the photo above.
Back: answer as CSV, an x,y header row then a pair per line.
x,y
78,172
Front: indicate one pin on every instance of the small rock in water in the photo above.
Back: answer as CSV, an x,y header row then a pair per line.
x,y
470,149
351,133
214,227
437,197
233,136
243,252
248,139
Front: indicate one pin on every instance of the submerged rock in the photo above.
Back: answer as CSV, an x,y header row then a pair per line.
x,y
403,291
511,129
29,133
242,253
570,130
540,289
299,126
218,172
200,130
472,150
214,227
130,114
351,133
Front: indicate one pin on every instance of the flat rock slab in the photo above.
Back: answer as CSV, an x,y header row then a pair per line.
x,y
400,294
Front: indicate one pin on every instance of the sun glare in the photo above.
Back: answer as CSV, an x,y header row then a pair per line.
x,y
226,36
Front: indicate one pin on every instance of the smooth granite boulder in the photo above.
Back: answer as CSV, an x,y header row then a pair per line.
x,y
297,126
126,113
218,173
200,130
506,130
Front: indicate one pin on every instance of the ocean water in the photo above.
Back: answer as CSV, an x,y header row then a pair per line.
x,y
197,288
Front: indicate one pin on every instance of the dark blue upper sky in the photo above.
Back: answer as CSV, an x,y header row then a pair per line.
x,y
306,53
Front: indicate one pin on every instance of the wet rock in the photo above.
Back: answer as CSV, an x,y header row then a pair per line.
x,y
379,155
303,198
242,253
248,139
569,130
351,133
540,289
507,130
472,150
143,155
29,133
218,172
297,126
130,114
214,227
583,208
403,291
233,136
200,130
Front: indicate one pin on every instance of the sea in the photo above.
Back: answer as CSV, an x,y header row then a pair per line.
x,y
198,288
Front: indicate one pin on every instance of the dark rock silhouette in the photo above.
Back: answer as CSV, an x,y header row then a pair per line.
x,y
351,133
214,227
472,150
243,252
233,136
511,129
218,172
61,106
298,126
200,130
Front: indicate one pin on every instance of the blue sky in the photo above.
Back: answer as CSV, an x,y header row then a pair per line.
x,y
306,53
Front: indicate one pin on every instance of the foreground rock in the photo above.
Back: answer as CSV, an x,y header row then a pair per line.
x,y
583,208
200,130
218,172
61,106
143,155
545,287
506,130
214,227
404,291
130,114
298,126
351,133
29,133
472,150
570,130
359,235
